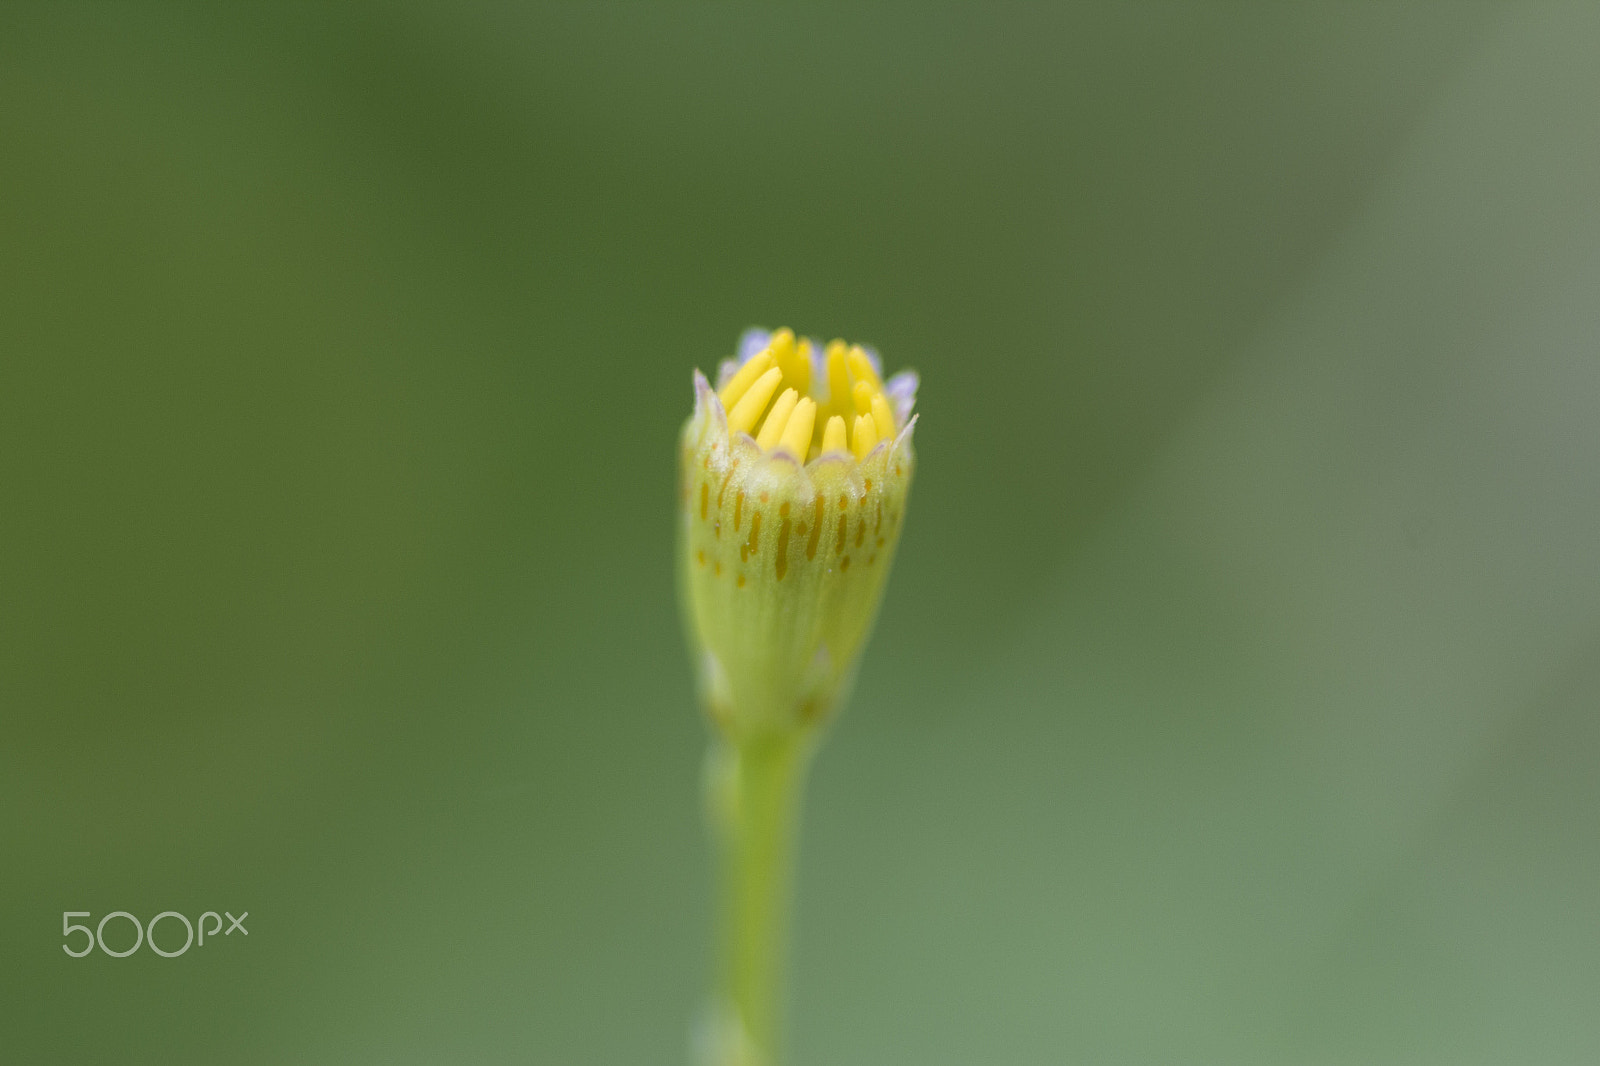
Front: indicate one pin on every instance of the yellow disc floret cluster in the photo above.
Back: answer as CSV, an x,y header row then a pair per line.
x,y
774,391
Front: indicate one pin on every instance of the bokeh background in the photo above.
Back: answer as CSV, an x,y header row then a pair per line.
x,y
1234,699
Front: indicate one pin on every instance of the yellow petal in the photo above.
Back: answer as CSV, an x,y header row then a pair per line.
x,y
802,367
783,356
833,436
797,434
861,367
772,429
782,344
746,376
883,416
864,437
862,394
838,379
753,402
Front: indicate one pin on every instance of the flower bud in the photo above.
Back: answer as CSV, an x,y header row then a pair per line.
x,y
793,483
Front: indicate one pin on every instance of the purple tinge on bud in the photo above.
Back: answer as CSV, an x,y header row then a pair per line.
x,y
901,392
751,342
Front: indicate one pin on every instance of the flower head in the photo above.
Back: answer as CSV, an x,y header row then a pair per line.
x,y
794,477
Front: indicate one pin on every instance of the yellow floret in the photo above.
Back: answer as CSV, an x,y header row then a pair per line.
x,y
846,413
834,436
797,434
744,414
864,437
772,429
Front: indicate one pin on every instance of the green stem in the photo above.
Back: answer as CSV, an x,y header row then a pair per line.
x,y
760,785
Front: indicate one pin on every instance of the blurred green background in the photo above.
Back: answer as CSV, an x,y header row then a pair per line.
x,y
1234,699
